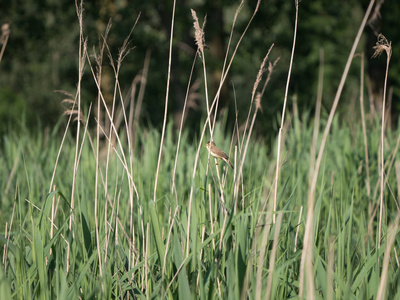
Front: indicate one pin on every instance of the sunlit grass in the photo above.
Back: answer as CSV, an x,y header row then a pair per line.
x,y
225,238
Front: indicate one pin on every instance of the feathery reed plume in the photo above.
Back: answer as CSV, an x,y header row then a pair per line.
x,y
73,111
271,67
261,71
199,32
199,37
382,45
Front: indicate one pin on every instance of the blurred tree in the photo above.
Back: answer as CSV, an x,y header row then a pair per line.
x,y
41,55
39,58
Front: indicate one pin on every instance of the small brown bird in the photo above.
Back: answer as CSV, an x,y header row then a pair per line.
x,y
217,153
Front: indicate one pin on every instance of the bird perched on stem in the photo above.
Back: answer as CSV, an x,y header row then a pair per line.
x,y
217,153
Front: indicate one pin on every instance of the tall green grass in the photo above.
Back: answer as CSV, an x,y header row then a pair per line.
x,y
226,240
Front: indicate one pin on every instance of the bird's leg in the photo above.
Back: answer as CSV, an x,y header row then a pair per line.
x,y
218,160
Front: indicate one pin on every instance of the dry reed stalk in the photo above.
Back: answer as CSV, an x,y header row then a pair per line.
x,y
82,53
306,257
284,111
99,60
382,45
221,239
166,103
53,216
386,259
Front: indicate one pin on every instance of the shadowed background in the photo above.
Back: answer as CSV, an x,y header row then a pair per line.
x,y
42,50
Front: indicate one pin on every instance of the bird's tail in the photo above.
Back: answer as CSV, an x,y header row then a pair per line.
x,y
227,161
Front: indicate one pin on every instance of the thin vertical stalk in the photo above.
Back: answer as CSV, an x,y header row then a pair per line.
x,y
382,45
278,156
82,52
99,73
199,34
166,104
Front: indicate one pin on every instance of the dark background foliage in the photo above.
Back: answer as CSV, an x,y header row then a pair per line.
x,y
42,51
